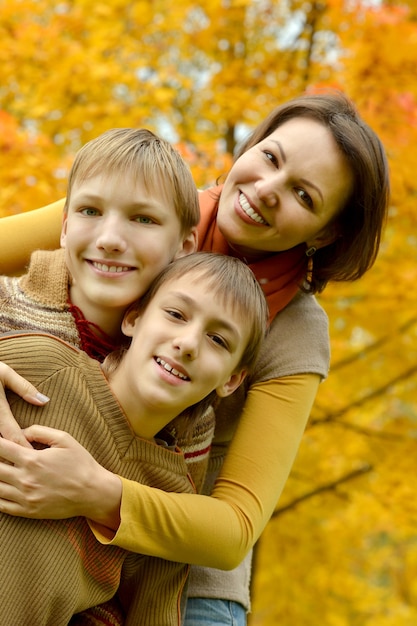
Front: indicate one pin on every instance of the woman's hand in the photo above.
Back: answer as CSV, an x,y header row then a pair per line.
x,y
9,428
59,481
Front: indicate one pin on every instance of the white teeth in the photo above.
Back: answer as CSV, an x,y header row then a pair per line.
x,y
249,211
170,369
111,268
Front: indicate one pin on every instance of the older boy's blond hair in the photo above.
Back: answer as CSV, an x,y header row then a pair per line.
x,y
141,154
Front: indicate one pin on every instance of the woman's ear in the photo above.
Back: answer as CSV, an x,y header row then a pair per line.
x,y
231,384
188,245
325,237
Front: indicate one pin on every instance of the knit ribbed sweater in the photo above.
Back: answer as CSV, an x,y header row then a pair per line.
x,y
51,569
207,529
38,301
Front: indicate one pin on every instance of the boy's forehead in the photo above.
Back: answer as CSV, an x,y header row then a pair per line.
x,y
195,285
133,185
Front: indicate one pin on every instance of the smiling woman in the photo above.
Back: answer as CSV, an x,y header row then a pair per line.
x,y
281,185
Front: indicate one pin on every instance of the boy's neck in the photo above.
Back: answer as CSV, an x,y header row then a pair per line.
x,y
94,340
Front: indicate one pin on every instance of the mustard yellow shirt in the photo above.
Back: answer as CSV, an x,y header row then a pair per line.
x,y
219,530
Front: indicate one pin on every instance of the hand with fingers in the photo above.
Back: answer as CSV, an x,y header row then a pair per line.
x,y
60,480
9,428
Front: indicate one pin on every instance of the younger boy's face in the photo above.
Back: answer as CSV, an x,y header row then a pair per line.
x,y
118,237
184,345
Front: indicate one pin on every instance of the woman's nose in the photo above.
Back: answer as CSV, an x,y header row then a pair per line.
x,y
267,191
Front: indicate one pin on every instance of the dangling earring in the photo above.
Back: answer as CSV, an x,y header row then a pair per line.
x,y
311,250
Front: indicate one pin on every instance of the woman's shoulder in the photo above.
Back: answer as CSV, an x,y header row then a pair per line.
x,y
297,341
302,307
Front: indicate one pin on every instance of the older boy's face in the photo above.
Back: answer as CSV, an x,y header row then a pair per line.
x,y
184,345
117,238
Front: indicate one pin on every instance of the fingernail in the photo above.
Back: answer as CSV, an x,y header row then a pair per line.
x,y
42,398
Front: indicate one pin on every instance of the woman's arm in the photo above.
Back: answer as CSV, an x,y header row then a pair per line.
x,y
219,530
21,234
215,531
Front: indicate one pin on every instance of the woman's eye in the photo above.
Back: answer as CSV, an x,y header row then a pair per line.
x,y
89,211
305,197
271,157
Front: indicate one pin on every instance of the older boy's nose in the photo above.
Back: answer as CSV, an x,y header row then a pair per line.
x,y
110,237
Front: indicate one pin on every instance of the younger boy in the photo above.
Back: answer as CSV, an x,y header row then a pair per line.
x,y
193,336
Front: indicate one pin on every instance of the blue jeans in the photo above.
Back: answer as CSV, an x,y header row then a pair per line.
x,y
212,612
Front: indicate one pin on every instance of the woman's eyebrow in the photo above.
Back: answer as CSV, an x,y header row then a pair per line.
x,y
281,149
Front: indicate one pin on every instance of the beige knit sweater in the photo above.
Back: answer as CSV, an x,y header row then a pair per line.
x,y
51,569
39,301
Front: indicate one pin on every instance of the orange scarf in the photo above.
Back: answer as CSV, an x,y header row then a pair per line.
x,y
279,275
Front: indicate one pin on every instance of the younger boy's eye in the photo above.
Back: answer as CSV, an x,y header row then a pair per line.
x,y
220,341
175,314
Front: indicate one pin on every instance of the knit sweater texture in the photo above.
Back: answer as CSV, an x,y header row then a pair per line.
x,y
38,301
52,569
271,424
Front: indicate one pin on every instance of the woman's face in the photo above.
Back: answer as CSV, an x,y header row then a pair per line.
x,y
285,191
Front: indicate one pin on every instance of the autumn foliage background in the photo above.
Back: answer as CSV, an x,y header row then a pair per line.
x,y
341,548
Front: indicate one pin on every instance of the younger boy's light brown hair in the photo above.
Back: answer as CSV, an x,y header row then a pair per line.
x,y
144,156
235,284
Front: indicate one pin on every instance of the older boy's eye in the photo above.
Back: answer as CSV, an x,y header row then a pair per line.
x,y
143,219
89,211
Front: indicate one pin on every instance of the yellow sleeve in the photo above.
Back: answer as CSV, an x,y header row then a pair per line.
x,y
21,234
219,530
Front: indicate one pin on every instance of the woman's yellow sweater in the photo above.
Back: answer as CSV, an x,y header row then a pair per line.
x,y
216,531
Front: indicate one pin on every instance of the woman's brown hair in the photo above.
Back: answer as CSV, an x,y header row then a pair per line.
x,y
361,220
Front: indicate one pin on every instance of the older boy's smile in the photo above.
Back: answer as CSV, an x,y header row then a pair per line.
x,y
111,267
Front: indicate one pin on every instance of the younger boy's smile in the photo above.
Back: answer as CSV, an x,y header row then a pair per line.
x,y
172,370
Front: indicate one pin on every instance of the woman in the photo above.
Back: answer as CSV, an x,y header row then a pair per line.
x,y
304,203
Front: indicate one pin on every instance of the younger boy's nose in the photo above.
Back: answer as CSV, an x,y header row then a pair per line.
x,y
187,344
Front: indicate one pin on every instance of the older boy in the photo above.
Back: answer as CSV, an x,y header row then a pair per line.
x,y
131,208
193,337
